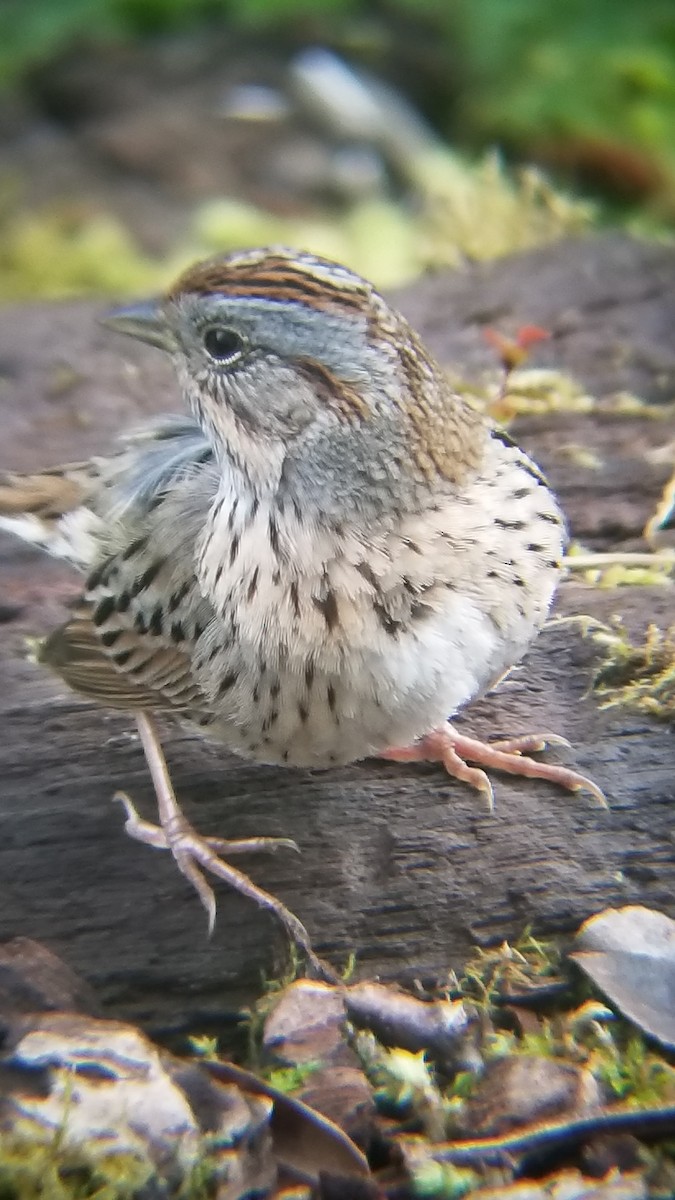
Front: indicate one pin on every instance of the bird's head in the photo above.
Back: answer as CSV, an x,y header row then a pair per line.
x,y
286,357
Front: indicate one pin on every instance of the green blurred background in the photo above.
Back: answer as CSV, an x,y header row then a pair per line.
x,y
138,134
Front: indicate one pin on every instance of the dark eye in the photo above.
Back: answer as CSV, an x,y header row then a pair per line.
x,y
225,345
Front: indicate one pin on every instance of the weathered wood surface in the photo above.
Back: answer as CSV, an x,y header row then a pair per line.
x,y
398,863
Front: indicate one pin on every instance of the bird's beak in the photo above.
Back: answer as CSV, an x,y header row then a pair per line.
x,y
145,321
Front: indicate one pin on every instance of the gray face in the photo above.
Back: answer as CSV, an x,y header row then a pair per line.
x,y
276,365
296,395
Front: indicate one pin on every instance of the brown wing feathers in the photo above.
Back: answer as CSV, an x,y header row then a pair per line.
x,y
136,671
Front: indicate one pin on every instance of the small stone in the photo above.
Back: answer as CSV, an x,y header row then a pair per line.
x,y
629,953
102,1088
33,979
308,1025
398,1019
344,1095
611,1152
524,1089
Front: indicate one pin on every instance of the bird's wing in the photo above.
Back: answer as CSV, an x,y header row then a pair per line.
x,y
67,510
141,672
131,639
131,522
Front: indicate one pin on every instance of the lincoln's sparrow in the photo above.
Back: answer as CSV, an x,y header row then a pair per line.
x,y
332,554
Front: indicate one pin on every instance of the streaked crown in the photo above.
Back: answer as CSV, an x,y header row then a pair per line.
x,y
278,273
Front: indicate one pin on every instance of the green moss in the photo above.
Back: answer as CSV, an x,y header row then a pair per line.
x,y
492,973
442,1181
204,1047
634,1073
253,1019
33,1170
620,569
56,253
291,1079
639,675
459,211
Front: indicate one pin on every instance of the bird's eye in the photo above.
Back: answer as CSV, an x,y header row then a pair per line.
x,y
223,344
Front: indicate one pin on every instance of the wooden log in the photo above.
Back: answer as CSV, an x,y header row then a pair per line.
x,y
399,863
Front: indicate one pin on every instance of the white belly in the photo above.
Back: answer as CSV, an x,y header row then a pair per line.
x,y
382,697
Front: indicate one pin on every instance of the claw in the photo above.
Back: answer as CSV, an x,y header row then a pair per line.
x,y
489,793
532,743
137,828
190,870
253,845
154,835
586,785
451,748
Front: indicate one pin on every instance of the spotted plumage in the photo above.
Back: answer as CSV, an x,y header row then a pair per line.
x,y
331,554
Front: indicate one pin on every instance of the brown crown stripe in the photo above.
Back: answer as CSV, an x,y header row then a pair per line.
x,y
315,272
273,267
286,284
318,296
321,297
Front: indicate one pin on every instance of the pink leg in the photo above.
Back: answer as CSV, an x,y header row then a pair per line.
x,y
194,854
451,748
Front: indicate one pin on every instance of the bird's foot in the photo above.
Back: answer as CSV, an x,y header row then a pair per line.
x,y
161,839
194,854
451,748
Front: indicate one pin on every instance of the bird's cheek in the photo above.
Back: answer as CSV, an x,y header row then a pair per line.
x,y
193,374
298,416
286,407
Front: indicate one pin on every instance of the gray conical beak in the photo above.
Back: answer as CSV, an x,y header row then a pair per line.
x,y
145,320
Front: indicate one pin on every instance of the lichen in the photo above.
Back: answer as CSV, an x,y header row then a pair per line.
x,y
31,1169
663,511
482,212
491,973
454,210
621,568
639,675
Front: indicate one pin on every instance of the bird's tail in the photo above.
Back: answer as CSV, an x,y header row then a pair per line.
x,y
47,508
69,510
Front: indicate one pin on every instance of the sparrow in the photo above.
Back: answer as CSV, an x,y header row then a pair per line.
x,y
326,558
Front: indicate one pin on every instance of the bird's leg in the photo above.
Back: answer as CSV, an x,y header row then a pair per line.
x,y
451,748
194,853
